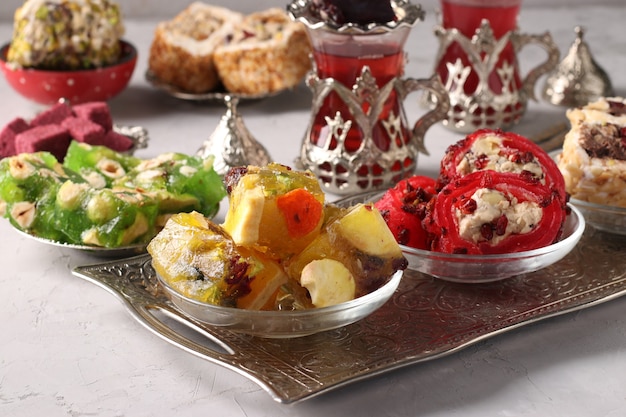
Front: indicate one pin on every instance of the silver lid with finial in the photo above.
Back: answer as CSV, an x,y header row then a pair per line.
x,y
578,79
231,144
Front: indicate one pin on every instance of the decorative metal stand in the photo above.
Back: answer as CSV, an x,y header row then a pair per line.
x,y
231,144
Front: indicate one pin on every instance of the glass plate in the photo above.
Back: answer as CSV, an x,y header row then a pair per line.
x,y
610,219
487,268
217,95
284,324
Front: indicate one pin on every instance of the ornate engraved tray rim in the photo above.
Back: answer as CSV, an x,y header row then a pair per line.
x,y
426,319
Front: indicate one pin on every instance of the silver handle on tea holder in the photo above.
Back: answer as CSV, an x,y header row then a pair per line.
x,y
439,96
519,41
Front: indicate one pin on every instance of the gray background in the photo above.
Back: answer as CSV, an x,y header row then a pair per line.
x,y
152,8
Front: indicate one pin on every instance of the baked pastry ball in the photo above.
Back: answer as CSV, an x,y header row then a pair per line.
x,y
593,161
181,53
268,52
66,34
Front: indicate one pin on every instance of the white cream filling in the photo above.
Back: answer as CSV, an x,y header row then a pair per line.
x,y
491,205
490,145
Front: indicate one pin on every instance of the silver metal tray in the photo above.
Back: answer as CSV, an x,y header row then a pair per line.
x,y
426,319
102,252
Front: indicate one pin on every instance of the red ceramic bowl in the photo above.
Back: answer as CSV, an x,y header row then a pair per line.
x,y
80,86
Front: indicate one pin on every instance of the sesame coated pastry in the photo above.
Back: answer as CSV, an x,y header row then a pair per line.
x,y
267,53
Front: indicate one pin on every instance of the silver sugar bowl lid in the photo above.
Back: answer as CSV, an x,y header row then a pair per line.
x,y
578,79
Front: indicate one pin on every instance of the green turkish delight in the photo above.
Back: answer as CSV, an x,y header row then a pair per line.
x,y
100,197
181,183
28,187
98,165
104,217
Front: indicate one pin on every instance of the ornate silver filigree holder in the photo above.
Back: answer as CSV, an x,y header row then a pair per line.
x,y
578,79
231,144
480,106
363,143
370,167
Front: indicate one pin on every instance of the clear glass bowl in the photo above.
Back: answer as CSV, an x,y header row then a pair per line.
x,y
487,268
284,324
610,219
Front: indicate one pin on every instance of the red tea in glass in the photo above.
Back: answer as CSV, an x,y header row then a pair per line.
x,y
466,16
358,136
346,69
477,63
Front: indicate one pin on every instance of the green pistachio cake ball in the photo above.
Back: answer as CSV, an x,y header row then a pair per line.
x,y
66,34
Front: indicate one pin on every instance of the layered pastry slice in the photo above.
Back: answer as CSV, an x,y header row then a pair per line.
x,y
268,52
181,53
593,161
